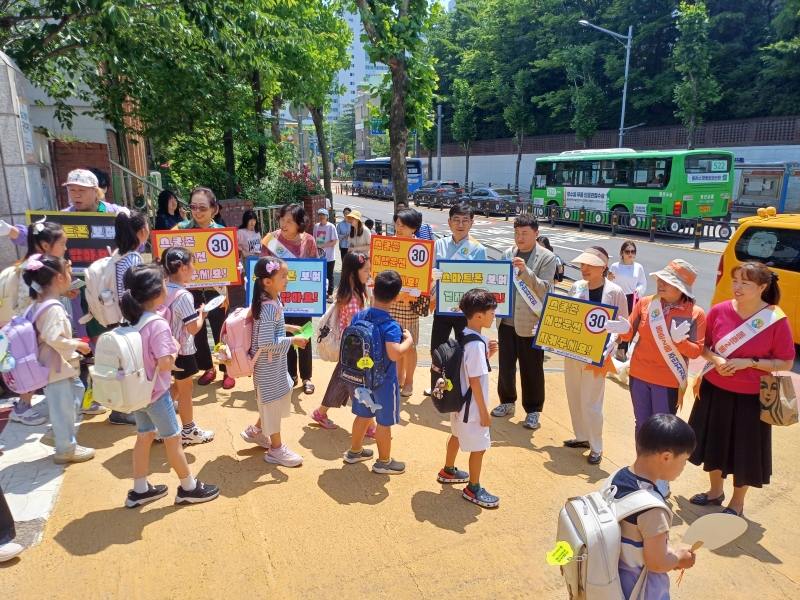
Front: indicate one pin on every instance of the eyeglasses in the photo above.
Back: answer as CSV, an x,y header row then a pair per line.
x,y
629,252
199,207
461,222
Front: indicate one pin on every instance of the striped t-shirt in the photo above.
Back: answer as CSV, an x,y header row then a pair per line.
x,y
183,312
271,372
125,263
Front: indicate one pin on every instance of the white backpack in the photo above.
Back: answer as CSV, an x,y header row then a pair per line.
x,y
328,344
119,381
590,525
102,296
11,285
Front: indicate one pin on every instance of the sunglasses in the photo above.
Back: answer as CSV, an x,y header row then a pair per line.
x,y
629,252
199,208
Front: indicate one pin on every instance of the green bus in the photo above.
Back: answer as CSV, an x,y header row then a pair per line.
x,y
679,184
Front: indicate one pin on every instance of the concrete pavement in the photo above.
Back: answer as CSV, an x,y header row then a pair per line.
x,y
330,529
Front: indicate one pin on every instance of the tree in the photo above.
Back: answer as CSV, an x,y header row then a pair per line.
x,y
395,32
519,114
698,87
344,131
379,145
429,140
465,129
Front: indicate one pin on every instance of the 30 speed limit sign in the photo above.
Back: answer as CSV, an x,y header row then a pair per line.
x,y
216,261
220,245
595,320
418,255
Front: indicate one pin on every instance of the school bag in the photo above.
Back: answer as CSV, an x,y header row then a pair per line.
x,y
237,335
165,310
119,380
9,293
329,336
362,339
27,374
102,296
590,525
446,360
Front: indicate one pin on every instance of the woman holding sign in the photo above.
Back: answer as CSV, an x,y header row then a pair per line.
x,y
291,241
586,384
672,329
748,337
203,206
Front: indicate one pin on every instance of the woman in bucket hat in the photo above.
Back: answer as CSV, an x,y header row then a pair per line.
x,y
586,384
359,235
672,329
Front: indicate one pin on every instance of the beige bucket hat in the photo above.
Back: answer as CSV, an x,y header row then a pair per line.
x,y
355,214
680,274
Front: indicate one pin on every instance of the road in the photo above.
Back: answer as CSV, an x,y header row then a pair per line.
x,y
568,242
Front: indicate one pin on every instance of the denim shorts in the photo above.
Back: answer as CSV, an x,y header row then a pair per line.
x,y
158,415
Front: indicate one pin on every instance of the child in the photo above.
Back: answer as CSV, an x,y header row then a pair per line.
x,y
144,292
186,322
270,373
48,277
663,446
478,307
397,342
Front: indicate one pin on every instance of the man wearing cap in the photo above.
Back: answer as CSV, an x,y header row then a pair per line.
x,y
586,384
326,238
672,329
534,268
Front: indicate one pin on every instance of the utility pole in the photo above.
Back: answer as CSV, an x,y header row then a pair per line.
x,y
439,142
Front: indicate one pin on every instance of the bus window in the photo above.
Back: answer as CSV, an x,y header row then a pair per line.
x,y
708,163
587,174
544,175
622,172
563,173
652,172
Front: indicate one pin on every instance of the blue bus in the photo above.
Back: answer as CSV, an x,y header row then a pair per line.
x,y
373,177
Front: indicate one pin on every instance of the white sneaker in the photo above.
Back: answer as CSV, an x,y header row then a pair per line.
x,y
253,435
9,551
94,409
49,439
283,456
29,417
505,410
196,436
663,488
78,455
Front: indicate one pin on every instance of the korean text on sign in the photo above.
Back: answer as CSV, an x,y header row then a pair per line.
x,y
305,292
574,328
216,262
460,276
412,259
89,235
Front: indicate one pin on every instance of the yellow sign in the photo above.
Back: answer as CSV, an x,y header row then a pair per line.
x,y
216,261
560,555
574,328
411,258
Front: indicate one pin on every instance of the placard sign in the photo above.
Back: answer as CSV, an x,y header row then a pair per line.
x,y
305,293
89,234
574,328
216,260
460,276
411,258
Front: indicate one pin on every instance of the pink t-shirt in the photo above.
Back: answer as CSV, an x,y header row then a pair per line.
x,y
774,342
157,342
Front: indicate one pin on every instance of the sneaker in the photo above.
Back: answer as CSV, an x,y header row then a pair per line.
x,y
663,488
26,417
9,551
481,498
228,383
78,455
253,435
353,458
118,418
207,377
49,438
283,456
505,410
202,492
158,439
426,392
96,409
532,421
457,477
392,467
196,436
154,492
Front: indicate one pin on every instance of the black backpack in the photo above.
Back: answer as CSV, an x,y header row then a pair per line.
x,y
446,391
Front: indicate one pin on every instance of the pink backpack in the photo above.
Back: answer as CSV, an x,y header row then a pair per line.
x,y
237,334
165,310
27,374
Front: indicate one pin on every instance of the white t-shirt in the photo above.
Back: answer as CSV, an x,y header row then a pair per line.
x,y
324,234
630,277
472,437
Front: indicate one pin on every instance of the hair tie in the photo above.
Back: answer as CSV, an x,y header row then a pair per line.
x,y
774,276
38,226
34,264
272,266
37,288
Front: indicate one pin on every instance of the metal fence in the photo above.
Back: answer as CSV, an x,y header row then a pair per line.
x,y
136,192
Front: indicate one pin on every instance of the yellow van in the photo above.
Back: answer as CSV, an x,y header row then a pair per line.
x,y
771,239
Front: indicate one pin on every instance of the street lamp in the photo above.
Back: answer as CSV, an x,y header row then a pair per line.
x,y
619,37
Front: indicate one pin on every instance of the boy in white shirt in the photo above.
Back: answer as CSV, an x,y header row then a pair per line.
x,y
478,306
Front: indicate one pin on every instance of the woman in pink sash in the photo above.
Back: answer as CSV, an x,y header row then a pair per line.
x,y
726,418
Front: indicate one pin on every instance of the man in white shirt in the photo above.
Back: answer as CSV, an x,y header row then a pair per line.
x,y
326,237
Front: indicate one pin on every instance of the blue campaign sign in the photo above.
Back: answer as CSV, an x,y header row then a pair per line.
x,y
305,294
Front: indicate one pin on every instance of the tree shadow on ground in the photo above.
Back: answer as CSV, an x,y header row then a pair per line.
x,y
571,462
325,444
746,545
98,433
237,478
246,400
354,484
41,471
121,464
444,510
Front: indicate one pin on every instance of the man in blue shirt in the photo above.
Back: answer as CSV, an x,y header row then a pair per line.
x,y
343,230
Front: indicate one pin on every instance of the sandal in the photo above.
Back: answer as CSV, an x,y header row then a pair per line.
x,y
730,511
704,500
308,388
323,420
406,394
371,433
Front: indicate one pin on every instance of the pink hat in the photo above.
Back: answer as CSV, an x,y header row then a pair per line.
x,y
82,178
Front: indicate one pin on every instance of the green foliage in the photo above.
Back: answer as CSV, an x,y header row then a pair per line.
x,y
344,131
465,128
379,146
698,89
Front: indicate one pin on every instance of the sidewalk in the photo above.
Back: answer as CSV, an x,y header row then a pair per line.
x,y
330,529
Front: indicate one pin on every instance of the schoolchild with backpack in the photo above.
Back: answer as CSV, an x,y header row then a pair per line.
x,y
373,370
185,321
270,347
470,425
48,277
351,298
144,291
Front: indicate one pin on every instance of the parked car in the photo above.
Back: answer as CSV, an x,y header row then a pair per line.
x,y
446,190
493,200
